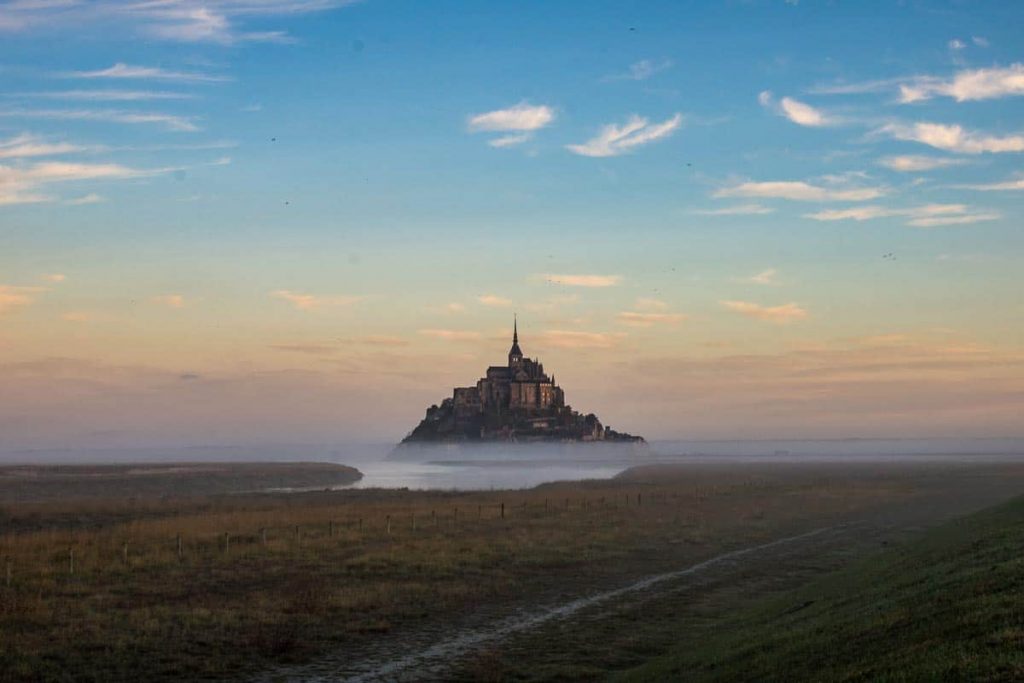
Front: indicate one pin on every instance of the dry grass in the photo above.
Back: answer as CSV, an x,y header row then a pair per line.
x,y
330,574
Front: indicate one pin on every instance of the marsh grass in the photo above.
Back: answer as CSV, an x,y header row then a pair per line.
x,y
330,575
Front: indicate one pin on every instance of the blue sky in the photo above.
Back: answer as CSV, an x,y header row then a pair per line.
x,y
234,190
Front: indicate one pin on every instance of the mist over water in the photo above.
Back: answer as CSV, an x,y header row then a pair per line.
x,y
512,466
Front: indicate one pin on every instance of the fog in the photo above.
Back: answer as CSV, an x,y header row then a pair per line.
x,y
509,466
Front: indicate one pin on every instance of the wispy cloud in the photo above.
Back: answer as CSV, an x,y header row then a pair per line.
x,y
28,145
311,302
572,339
1014,185
582,280
649,319
121,70
13,297
55,277
953,138
738,210
796,190
967,85
784,314
910,163
615,140
168,121
450,335
798,112
494,301
107,95
963,86
91,198
520,121
642,70
23,184
928,215
170,300
765,277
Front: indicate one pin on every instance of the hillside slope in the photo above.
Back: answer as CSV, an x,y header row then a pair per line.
x,y
948,606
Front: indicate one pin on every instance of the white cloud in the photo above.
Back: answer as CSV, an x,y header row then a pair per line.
x,y
738,210
1016,184
979,41
953,138
494,301
798,112
109,95
509,140
614,140
13,297
910,163
521,117
956,44
168,121
91,198
22,184
928,215
650,304
967,85
800,191
583,280
121,70
765,277
310,302
28,145
170,300
784,314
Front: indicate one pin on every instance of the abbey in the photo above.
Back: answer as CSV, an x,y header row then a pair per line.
x,y
513,402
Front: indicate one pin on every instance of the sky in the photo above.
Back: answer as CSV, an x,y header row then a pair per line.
x,y
304,221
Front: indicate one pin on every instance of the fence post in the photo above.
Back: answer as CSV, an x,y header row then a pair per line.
x,y
503,511
330,529
71,561
178,544
125,553
479,511
433,516
360,525
227,542
297,537
414,521
263,536
389,524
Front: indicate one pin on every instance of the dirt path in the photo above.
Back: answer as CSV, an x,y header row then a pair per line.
x,y
432,661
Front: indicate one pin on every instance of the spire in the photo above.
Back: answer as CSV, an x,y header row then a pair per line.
x,y
514,354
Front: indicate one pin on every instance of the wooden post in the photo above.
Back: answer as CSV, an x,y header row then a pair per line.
x,y
545,505
566,503
479,511
263,536
227,542
455,516
330,529
360,525
125,553
433,516
297,537
389,524
71,561
503,511
178,543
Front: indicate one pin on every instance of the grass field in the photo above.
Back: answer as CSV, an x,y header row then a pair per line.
x,y
102,590
949,606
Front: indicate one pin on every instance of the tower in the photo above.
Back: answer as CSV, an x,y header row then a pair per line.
x,y
515,355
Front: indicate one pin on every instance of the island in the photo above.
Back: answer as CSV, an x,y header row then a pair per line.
x,y
516,402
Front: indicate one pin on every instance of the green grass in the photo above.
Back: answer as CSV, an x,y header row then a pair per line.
x,y
948,606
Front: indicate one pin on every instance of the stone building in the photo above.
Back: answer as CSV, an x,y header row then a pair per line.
x,y
513,402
